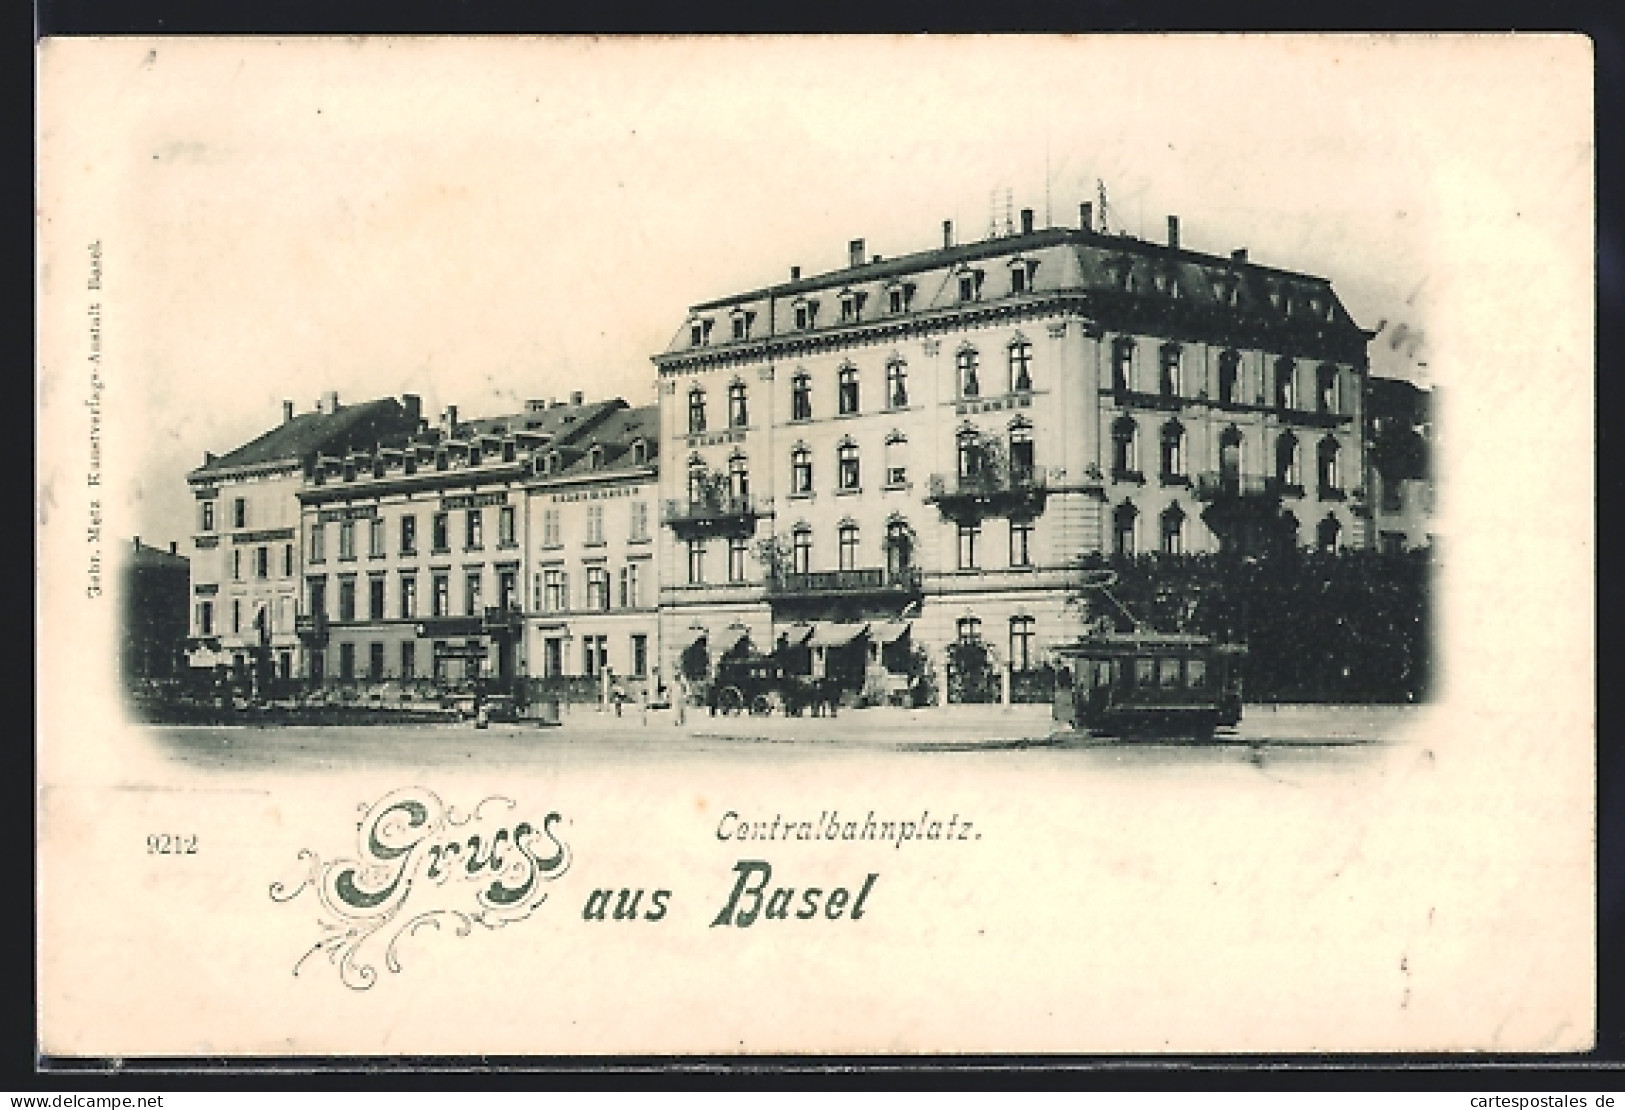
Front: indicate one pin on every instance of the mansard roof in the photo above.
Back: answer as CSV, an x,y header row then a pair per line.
x,y
301,439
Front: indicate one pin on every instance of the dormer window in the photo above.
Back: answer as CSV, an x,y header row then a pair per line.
x,y
851,306
699,332
806,315
970,285
899,297
1166,283
595,457
1021,275
1122,269
742,321
640,453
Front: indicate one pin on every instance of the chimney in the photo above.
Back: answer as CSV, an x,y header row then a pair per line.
x,y
854,251
138,543
947,233
795,273
1173,232
1086,216
330,402
413,404
577,397
451,420
172,548
287,412
1026,221
1239,255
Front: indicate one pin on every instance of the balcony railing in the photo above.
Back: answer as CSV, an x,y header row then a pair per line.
x,y
866,580
713,516
1003,492
503,618
1218,486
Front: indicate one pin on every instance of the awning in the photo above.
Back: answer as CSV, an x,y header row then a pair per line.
x,y
729,640
888,632
831,634
795,635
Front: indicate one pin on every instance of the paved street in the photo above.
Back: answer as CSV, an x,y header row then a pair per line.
x,y
587,735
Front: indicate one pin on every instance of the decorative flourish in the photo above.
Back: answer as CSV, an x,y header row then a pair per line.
x,y
409,847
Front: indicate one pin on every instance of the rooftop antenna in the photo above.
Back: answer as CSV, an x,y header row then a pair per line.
x,y
995,225
1100,188
1047,220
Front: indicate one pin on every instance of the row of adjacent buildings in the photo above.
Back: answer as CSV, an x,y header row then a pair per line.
x,y
871,462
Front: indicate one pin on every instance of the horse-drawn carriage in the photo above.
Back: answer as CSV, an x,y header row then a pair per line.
x,y
748,681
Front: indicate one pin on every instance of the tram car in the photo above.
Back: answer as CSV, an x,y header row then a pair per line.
x,y
1141,682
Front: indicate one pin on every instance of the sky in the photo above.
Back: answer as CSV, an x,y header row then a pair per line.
x,y
486,221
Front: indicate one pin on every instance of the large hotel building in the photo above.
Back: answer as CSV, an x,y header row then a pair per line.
x,y
873,462
928,444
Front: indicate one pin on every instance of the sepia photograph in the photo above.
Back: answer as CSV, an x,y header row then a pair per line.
x,y
879,546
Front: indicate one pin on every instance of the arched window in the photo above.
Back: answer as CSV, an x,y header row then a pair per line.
x,y
1173,530
696,482
899,547
1123,364
1021,643
1326,533
801,396
848,477
1125,448
696,409
801,474
896,460
1287,469
897,384
1021,451
1124,519
1173,450
1326,468
738,477
971,455
849,546
1289,528
1021,365
848,395
738,412
969,386
1168,374
1286,393
801,550
1230,458
1230,378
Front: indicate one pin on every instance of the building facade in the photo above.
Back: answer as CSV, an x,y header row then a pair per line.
x,y
1399,454
247,563
156,586
592,624
926,446
416,547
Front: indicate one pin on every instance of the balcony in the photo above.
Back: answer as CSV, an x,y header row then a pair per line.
x,y
719,516
1224,487
846,583
311,627
1013,491
502,620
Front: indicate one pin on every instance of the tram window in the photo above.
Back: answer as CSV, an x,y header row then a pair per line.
x,y
1196,673
1145,672
1168,673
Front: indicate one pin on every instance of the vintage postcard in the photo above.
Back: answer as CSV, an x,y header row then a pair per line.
x,y
767,545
